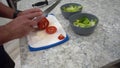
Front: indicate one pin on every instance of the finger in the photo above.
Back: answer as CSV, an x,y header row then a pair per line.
x,y
37,19
29,29
32,10
32,15
35,29
33,23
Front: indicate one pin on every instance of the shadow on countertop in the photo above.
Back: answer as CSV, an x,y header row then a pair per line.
x,y
115,64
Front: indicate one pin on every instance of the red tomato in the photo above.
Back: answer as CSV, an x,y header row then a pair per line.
x,y
51,29
43,23
60,37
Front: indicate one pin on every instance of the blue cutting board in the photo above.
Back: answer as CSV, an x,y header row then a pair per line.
x,y
41,40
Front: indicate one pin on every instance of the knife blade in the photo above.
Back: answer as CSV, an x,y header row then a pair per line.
x,y
47,11
50,8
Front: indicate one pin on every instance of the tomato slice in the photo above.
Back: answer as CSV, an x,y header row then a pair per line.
x,y
51,29
60,37
43,23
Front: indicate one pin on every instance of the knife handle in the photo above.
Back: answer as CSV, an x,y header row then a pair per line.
x,y
40,3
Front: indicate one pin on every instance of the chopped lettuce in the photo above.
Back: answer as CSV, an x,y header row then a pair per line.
x,y
72,8
84,22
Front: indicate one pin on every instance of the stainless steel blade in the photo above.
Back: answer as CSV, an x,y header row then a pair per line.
x,y
47,11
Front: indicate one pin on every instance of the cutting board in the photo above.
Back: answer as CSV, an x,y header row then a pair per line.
x,y
40,40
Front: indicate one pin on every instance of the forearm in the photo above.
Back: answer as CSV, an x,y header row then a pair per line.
x,y
5,11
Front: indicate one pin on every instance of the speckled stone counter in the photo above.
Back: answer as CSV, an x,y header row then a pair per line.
x,y
94,51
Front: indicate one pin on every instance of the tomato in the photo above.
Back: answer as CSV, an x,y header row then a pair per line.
x,y
51,29
60,37
43,23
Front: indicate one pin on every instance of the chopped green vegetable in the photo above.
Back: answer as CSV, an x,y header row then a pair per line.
x,y
84,22
72,8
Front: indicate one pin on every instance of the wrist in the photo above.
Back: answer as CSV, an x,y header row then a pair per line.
x,y
15,14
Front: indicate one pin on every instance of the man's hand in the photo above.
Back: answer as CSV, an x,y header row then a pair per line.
x,y
29,11
21,25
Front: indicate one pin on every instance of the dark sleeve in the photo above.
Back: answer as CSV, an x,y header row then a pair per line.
x,y
5,60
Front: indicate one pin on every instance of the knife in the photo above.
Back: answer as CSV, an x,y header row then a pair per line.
x,y
47,11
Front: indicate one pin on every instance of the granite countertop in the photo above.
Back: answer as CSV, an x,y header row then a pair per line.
x,y
94,51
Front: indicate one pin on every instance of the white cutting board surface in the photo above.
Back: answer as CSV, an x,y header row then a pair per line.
x,y
41,40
